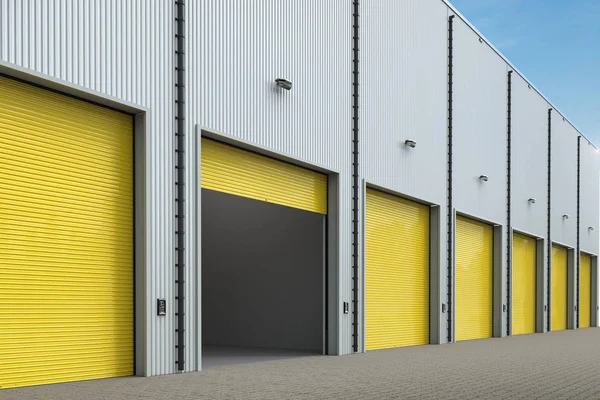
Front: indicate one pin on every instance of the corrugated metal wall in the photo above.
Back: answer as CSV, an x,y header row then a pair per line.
x,y
238,50
402,100
480,105
564,182
590,198
529,176
122,49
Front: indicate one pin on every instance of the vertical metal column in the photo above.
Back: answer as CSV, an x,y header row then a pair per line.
x,y
180,182
355,173
549,215
450,213
508,206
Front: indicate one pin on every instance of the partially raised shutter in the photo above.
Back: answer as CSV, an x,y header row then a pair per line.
x,y
243,173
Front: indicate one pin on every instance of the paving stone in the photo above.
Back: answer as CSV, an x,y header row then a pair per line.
x,y
557,365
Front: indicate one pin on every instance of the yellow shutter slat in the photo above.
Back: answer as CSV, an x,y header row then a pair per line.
x,y
585,291
397,272
474,279
559,288
523,284
66,238
243,173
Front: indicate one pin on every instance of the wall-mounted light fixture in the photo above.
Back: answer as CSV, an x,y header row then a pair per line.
x,y
283,83
483,178
565,216
590,228
410,143
480,40
531,201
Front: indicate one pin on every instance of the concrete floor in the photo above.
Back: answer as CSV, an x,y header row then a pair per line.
x,y
216,356
558,365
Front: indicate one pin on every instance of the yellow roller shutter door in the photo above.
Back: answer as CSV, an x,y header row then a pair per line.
x,y
474,244
559,288
243,173
66,238
585,291
397,272
523,284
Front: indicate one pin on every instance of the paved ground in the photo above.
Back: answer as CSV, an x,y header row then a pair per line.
x,y
217,356
561,365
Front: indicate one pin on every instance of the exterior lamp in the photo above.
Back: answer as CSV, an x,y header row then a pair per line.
x,y
531,201
483,178
283,83
410,143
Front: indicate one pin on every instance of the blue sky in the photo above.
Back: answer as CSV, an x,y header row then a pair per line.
x,y
555,44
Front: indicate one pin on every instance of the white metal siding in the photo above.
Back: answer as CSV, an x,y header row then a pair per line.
x,y
403,96
125,50
239,49
590,198
479,133
529,175
564,182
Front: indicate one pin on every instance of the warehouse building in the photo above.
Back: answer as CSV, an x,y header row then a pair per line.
x,y
190,183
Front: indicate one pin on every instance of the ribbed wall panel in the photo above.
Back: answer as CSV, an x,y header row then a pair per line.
x,y
239,49
529,176
590,192
403,100
564,182
479,132
122,49
193,335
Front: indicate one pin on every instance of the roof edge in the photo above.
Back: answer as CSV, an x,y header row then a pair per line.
x,y
511,65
